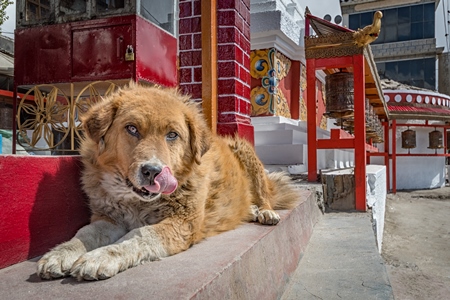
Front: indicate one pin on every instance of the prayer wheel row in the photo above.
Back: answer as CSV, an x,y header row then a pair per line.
x,y
435,140
340,105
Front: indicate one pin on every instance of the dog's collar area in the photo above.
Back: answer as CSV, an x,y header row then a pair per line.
x,y
142,192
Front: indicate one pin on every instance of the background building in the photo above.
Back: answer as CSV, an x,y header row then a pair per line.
x,y
405,50
406,56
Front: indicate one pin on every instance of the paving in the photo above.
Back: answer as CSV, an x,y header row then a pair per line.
x,y
341,262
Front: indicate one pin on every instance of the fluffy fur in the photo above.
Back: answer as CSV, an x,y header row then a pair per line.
x,y
221,183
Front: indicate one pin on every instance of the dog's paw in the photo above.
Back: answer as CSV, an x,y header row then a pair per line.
x,y
268,217
98,264
254,212
57,263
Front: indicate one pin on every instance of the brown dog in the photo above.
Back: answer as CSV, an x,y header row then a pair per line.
x,y
158,182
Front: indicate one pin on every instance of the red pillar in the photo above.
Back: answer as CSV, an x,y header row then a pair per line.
x,y
14,124
360,133
233,55
234,80
386,155
394,156
311,118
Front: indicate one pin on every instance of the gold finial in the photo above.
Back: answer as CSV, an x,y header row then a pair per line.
x,y
369,33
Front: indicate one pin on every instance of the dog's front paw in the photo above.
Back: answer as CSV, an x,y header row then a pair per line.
x,y
268,217
254,212
58,262
101,263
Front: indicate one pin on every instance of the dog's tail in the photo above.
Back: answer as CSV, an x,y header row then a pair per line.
x,y
285,194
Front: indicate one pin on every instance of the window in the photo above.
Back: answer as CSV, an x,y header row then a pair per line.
x,y
417,13
416,31
72,6
429,66
108,5
391,71
37,10
400,24
417,72
160,13
428,29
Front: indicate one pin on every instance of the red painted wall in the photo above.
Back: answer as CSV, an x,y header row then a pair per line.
x,y
156,54
41,205
42,54
98,49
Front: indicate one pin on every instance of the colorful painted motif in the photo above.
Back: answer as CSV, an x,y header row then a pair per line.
x,y
260,101
323,121
303,114
320,99
271,67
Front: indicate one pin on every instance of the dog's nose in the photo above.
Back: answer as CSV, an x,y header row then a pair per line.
x,y
150,171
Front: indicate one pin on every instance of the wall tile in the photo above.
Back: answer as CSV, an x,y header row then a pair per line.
x,y
196,58
226,52
228,104
186,59
226,4
185,26
226,86
198,74
197,8
226,18
228,69
185,42
185,75
197,40
185,9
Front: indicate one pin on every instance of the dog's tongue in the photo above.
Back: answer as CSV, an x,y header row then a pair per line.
x,y
164,183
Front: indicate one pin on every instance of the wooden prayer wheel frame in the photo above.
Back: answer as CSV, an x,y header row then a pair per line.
x,y
339,89
435,140
409,139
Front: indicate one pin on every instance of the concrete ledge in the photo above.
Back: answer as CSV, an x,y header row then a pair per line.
x,y
376,199
251,262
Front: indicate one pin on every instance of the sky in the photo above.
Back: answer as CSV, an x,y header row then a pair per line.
x,y
317,7
10,24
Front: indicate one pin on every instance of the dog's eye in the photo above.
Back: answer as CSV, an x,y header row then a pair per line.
x,y
171,136
132,130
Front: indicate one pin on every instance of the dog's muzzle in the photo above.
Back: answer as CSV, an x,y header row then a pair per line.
x,y
160,180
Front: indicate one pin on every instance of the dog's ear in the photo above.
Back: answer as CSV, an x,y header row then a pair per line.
x,y
200,135
97,120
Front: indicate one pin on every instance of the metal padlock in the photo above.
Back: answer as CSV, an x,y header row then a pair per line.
x,y
129,55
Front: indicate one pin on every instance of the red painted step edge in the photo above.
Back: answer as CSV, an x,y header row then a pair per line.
x,y
41,204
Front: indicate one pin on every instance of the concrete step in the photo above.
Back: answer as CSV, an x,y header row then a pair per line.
x,y
288,154
261,121
279,137
265,124
280,126
341,262
251,262
291,169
